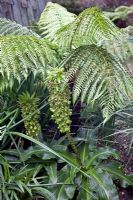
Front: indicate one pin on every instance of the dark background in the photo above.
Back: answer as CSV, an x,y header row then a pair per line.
x,y
26,12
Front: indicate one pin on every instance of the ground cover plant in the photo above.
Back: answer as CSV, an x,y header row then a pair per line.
x,y
61,86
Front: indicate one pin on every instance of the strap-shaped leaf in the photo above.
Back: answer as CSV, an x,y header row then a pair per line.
x,y
43,192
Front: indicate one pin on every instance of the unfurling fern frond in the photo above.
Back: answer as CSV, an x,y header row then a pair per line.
x,y
8,27
99,78
20,55
90,27
53,18
121,12
30,113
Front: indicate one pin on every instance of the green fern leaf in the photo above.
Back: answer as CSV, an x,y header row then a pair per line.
x,y
99,78
20,55
10,27
122,48
53,18
90,27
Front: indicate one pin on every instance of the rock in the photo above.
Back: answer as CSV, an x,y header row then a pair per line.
x,y
22,11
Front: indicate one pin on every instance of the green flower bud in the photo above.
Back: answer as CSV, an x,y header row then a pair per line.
x,y
29,105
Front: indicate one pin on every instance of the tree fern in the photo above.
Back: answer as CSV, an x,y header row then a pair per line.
x,y
10,27
53,18
90,27
99,78
19,55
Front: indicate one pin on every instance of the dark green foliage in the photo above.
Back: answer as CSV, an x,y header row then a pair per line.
x,y
94,180
66,167
21,182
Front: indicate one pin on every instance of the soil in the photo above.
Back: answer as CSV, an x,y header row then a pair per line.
x,y
124,144
126,194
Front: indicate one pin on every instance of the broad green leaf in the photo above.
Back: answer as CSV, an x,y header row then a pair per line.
x,y
99,181
84,192
69,157
66,158
103,154
35,151
84,152
66,191
52,172
90,174
44,193
108,184
115,170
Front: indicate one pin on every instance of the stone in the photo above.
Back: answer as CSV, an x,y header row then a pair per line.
x,y
22,11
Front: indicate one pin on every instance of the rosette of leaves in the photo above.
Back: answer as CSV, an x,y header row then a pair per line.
x,y
59,99
30,113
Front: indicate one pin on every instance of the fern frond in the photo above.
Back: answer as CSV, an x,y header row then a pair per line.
x,y
122,48
5,83
90,27
53,18
120,13
128,31
8,27
99,78
20,55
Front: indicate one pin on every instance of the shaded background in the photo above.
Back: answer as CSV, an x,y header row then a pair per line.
x,y
27,11
22,11
79,5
